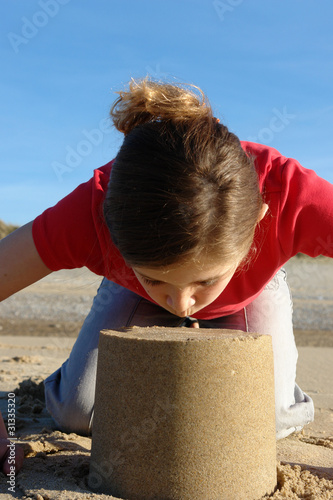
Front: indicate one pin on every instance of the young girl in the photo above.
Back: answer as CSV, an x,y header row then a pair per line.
x,y
186,222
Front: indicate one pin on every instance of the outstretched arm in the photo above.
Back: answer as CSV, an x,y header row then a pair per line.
x,y
20,263
20,266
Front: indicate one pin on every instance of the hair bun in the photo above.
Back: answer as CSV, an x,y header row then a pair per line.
x,y
148,101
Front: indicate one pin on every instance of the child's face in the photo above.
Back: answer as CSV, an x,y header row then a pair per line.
x,y
185,289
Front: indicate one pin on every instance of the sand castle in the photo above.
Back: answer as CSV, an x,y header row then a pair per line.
x,y
184,413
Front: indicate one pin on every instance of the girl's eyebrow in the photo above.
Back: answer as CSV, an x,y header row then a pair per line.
x,y
148,278
214,278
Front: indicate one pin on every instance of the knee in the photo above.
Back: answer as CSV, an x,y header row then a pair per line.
x,y
71,413
294,417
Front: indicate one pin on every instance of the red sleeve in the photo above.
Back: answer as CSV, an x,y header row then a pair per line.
x,y
71,234
306,212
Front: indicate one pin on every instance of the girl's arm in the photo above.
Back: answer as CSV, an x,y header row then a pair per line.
x,y
20,266
20,263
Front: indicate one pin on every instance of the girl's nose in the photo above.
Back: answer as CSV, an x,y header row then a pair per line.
x,y
180,301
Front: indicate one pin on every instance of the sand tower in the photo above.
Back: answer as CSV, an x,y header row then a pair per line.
x,y
184,413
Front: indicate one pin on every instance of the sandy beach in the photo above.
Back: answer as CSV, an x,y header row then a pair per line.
x,y
38,327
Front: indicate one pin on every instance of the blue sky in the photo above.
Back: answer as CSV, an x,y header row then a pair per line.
x,y
266,66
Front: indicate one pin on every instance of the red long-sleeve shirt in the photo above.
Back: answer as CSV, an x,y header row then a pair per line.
x,y
73,233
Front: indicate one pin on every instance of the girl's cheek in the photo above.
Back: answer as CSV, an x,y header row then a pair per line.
x,y
211,294
154,293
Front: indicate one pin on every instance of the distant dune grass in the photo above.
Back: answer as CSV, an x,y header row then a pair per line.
x,y
6,228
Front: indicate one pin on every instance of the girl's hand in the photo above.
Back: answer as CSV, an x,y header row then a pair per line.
x,y
11,455
190,322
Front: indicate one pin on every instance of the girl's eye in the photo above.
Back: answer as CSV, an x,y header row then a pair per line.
x,y
150,282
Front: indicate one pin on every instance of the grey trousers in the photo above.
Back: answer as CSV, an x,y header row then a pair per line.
x,y
70,391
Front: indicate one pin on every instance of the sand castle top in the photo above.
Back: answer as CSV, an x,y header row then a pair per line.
x,y
156,333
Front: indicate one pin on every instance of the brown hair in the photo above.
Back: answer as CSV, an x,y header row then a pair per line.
x,y
181,185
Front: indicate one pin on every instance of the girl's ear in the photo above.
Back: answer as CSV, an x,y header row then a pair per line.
x,y
263,212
